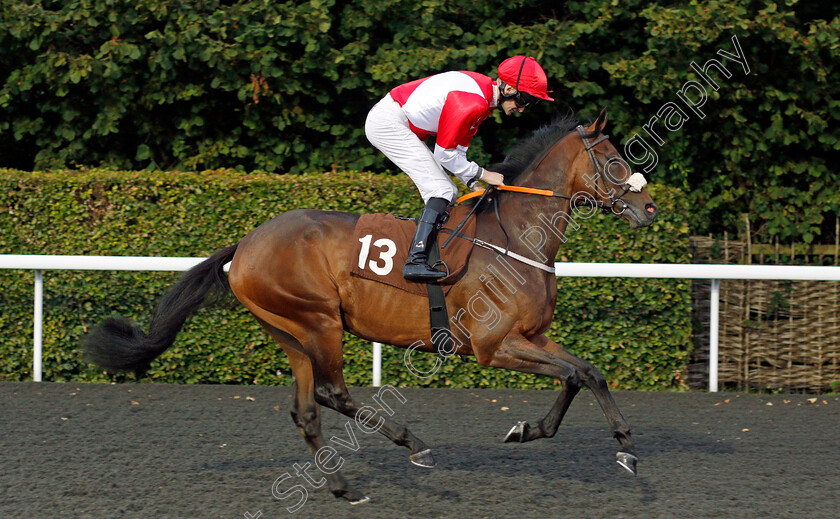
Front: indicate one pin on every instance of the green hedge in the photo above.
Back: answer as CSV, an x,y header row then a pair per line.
x,y
636,331
285,87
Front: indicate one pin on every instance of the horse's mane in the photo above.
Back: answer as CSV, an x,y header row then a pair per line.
x,y
526,153
523,156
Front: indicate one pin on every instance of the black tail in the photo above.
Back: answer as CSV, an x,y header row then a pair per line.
x,y
120,345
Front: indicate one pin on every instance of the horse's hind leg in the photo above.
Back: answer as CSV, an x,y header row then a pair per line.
x,y
306,413
324,348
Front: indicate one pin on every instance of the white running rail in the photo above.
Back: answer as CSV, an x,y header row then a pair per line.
x,y
630,270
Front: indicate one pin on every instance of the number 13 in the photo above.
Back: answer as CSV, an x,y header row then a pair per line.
x,y
386,256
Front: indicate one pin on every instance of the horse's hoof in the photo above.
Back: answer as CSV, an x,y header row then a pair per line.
x,y
627,460
423,458
354,496
518,432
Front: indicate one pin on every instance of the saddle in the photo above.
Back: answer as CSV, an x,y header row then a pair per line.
x,y
382,242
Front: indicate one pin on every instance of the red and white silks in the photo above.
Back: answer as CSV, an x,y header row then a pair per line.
x,y
451,106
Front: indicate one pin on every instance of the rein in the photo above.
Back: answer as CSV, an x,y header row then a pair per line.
x,y
506,251
481,243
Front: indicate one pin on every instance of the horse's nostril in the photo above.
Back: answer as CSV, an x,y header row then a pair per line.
x,y
651,208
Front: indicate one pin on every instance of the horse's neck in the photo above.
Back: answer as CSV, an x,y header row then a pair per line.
x,y
537,224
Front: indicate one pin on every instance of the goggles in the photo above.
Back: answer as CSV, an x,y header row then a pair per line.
x,y
524,100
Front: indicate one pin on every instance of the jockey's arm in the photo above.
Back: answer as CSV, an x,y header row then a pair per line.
x,y
459,121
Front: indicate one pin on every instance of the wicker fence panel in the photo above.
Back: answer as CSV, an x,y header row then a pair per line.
x,y
774,335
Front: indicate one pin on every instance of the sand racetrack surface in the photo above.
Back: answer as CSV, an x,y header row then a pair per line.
x,y
155,450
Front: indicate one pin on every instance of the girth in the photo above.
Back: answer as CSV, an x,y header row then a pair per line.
x,y
438,316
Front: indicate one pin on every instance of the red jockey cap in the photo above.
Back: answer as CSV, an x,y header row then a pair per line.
x,y
526,75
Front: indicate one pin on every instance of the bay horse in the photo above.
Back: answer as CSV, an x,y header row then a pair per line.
x,y
293,274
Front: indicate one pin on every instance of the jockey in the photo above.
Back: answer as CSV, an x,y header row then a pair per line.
x,y
450,105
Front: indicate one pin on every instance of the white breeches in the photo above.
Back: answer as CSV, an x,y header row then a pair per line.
x,y
387,129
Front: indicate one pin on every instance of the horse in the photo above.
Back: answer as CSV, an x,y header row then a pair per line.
x,y
293,274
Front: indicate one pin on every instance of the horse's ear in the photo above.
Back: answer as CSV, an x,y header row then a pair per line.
x,y
599,123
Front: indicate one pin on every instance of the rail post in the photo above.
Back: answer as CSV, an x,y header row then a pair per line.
x,y
37,333
377,364
713,335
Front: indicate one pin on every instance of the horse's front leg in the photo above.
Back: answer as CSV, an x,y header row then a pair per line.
x,y
520,354
594,380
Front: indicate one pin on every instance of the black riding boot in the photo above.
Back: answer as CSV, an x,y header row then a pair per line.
x,y
416,266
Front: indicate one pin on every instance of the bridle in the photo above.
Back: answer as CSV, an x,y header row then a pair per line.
x,y
634,183
616,205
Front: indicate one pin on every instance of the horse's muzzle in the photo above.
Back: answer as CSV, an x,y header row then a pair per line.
x,y
641,217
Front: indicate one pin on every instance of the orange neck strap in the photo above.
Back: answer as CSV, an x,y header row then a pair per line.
x,y
516,189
